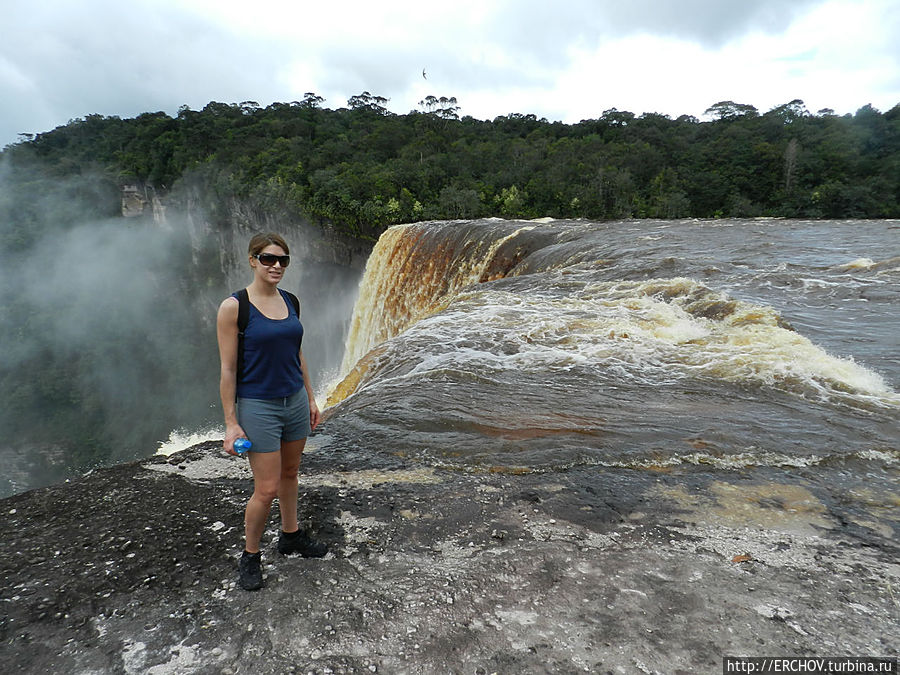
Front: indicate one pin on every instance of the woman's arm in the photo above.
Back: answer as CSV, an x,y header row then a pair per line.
x,y
314,414
227,334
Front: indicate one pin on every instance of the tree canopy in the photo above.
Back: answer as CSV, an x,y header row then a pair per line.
x,y
363,168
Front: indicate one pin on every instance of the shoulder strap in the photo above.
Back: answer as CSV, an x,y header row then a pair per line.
x,y
294,301
243,318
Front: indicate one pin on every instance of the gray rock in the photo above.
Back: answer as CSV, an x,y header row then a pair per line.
x,y
132,569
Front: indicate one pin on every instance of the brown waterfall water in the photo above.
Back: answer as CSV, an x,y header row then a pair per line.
x,y
651,345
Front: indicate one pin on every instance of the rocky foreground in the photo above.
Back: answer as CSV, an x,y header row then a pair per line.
x,y
132,569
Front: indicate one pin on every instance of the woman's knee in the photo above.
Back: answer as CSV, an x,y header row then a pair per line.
x,y
291,454
266,493
289,473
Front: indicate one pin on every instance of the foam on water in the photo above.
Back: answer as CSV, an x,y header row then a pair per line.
x,y
754,457
655,331
858,264
180,439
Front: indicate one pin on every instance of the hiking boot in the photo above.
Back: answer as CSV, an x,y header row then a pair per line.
x,y
290,543
251,571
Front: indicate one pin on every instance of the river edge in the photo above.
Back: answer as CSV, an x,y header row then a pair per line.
x,y
132,569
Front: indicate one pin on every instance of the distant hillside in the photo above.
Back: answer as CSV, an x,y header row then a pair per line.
x,y
363,168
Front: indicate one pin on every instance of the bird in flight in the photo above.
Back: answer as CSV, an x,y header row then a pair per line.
x,y
423,74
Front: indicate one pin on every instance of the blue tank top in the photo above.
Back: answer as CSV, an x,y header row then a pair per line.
x,y
271,355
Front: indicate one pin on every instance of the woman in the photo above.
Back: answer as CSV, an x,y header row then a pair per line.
x,y
270,402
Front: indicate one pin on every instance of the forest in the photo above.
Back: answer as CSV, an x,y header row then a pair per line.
x,y
362,168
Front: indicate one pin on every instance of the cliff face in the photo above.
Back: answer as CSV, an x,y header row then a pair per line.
x,y
132,569
228,223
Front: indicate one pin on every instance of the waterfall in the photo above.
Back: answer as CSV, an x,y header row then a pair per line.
x,y
416,270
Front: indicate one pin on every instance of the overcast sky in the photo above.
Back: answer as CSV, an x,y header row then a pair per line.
x,y
560,59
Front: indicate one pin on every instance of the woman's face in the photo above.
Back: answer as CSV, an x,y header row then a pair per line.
x,y
272,273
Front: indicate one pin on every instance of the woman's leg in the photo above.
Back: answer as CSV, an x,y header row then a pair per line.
x,y
291,452
266,467
293,539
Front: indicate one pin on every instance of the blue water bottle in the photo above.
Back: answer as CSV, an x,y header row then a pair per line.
x,y
242,445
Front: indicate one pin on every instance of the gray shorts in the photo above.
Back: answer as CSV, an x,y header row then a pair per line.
x,y
268,422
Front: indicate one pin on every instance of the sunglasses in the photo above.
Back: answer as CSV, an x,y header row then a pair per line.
x,y
269,259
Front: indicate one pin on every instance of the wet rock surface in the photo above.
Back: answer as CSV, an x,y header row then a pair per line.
x,y
132,569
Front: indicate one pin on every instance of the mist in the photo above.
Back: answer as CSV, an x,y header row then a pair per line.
x,y
108,339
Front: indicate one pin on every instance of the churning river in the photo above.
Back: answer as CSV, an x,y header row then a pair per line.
x,y
653,345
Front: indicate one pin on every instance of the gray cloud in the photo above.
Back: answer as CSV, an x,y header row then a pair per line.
x,y
710,22
65,60
542,30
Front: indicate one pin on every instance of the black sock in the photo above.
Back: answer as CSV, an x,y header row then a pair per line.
x,y
291,535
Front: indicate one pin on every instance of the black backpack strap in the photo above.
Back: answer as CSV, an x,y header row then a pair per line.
x,y
243,318
295,301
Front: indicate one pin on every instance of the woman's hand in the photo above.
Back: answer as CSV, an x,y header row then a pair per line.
x,y
314,415
232,433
